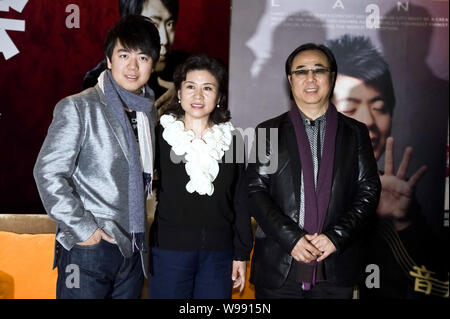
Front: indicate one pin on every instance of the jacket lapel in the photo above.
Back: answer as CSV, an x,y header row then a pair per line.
x,y
339,158
114,123
294,159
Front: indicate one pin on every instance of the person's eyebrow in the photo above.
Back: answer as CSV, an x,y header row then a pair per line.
x,y
206,83
155,17
159,18
350,99
124,50
301,66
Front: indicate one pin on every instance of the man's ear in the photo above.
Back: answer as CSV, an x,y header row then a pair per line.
x,y
108,63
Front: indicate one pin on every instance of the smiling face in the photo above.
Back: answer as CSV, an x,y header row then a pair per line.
x,y
311,89
130,69
165,23
364,103
198,95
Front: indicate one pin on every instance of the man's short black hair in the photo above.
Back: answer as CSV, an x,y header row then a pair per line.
x,y
214,66
128,7
357,57
314,47
134,32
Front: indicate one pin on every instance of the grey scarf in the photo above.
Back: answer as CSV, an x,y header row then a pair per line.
x,y
117,98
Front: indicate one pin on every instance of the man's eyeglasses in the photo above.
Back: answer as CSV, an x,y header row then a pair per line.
x,y
316,71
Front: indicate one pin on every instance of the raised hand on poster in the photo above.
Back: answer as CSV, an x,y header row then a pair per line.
x,y
396,189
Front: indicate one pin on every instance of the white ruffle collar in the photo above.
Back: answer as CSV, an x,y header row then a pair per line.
x,y
202,155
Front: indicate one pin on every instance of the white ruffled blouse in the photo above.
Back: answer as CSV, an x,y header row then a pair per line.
x,y
202,155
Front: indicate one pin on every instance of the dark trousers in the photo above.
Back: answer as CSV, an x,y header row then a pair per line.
x,y
195,274
292,289
98,272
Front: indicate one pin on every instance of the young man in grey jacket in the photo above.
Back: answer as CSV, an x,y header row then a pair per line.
x,y
95,168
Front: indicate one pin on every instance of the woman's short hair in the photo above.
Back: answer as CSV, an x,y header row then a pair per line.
x,y
134,32
214,66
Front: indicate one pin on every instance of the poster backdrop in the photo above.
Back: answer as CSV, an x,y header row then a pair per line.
x,y
47,46
45,53
411,35
403,261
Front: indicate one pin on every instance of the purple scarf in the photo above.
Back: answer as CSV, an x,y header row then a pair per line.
x,y
316,200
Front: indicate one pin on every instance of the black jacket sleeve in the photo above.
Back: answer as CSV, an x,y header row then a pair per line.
x,y
365,200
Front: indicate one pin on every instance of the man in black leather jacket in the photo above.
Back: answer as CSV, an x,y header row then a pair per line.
x,y
313,208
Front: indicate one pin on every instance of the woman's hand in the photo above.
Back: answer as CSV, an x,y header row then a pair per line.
x,y
238,274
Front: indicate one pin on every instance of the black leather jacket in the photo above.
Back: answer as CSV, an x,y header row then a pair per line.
x,y
274,198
